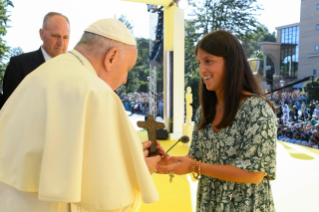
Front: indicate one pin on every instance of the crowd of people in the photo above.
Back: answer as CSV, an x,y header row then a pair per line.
x,y
297,118
138,102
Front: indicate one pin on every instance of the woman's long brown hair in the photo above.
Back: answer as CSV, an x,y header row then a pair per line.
x,y
239,77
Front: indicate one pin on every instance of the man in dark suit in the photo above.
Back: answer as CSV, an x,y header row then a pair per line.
x,y
55,34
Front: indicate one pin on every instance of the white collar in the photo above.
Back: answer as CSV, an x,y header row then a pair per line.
x,y
45,55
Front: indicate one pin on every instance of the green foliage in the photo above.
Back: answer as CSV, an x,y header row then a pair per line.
x,y
312,88
4,49
16,51
3,67
235,16
137,79
251,40
258,54
192,76
127,23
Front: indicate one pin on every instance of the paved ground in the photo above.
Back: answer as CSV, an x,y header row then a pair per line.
x,y
134,119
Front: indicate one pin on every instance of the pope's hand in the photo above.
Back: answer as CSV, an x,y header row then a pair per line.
x,y
160,150
151,162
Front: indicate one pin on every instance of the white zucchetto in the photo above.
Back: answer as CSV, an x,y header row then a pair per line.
x,y
112,29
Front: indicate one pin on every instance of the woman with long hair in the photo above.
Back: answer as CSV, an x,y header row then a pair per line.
x,y
233,150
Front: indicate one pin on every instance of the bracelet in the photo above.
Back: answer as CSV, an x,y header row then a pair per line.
x,y
193,168
199,169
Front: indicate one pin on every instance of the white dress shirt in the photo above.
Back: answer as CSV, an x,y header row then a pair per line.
x,y
45,55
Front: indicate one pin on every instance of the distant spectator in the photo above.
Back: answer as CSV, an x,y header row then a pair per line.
x,y
308,121
294,113
288,134
303,136
312,107
316,111
280,121
132,107
304,116
314,139
303,107
314,120
296,135
297,104
280,133
308,134
279,112
285,119
285,110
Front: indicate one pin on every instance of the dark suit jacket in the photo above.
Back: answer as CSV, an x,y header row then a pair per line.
x,y
0,99
19,67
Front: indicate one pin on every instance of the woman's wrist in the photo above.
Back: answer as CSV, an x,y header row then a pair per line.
x,y
196,169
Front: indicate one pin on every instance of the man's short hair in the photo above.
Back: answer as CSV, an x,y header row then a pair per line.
x,y
51,14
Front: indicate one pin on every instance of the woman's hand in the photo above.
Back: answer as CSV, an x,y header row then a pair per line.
x,y
178,165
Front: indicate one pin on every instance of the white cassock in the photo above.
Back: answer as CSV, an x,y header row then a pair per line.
x,y
65,138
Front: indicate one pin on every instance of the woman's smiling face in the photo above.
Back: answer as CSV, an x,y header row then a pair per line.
x,y
212,70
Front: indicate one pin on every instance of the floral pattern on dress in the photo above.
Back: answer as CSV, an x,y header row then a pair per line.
x,y
248,143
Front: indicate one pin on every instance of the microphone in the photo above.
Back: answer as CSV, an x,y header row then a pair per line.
x,y
183,139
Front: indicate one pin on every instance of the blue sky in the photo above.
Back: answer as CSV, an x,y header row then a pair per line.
x,y
27,16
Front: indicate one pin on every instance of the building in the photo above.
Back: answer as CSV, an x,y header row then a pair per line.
x,y
295,54
309,39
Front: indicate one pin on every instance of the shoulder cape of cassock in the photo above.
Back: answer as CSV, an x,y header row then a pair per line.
x,y
64,134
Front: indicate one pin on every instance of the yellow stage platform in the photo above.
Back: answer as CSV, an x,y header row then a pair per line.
x,y
296,188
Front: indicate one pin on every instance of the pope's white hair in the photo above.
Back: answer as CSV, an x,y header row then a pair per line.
x,y
98,45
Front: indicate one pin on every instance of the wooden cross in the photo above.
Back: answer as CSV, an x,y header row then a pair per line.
x,y
151,126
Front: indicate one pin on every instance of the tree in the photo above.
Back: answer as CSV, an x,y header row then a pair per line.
x,y
127,23
251,40
4,49
192,76
258,54
312,88
137,79
16,51
235,16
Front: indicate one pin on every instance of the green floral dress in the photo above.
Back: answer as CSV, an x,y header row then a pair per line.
x,y
248,143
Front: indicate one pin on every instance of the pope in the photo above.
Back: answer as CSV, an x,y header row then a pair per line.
x,y
66,142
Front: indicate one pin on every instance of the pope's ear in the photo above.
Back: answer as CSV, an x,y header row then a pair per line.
x,y
110,58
